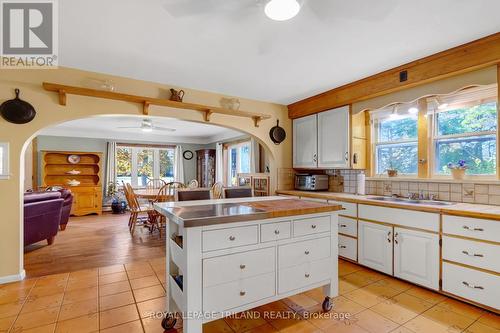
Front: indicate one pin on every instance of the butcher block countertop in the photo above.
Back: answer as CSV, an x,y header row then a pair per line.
x,y
209,212
458,209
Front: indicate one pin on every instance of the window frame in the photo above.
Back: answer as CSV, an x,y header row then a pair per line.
x,y
5,161
434,138
375,124
228,163
135,149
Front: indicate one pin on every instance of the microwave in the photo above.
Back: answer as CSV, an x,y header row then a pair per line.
x,y
308,182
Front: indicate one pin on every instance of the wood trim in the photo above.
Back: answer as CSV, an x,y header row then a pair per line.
x,y
235,142
423,140
465,58
34,163
349,236
369,154
63,90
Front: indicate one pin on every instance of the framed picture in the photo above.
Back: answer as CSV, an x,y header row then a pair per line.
x,y
4,160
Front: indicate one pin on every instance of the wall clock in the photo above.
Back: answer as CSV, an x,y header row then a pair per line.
x,y
188,154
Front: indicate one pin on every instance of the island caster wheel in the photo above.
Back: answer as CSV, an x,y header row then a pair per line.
x,y
327,304
168,322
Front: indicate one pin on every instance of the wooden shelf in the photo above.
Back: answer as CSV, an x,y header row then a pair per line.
x,y
64,90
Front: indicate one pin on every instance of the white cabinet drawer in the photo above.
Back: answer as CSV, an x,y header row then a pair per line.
x,y
348,226
472,253
305,251
348,247
350,209
238,266
275,231
296,277
229,237
403,217
472,284
311,225
230,295
471,227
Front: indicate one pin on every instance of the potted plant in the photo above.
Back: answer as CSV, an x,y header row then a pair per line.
x,y
118,205
391,171
458,169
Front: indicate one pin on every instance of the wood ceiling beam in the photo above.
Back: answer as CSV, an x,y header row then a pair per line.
x,y
468,57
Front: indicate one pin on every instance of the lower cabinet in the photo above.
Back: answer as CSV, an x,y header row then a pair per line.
x,y
416,257
375,246
86,200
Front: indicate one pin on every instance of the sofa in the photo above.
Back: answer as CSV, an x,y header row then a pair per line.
x,y
42,216
66,209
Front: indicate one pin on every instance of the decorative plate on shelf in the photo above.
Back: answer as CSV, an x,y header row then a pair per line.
x,y
74,159
73,172
188,154
73,182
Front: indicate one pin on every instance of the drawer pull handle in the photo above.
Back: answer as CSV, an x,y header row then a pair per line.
x,y
467,284
242,266
313,226
232,238
342,246
472,255
466,227
242,293
276,232
343,225
306,252
307,275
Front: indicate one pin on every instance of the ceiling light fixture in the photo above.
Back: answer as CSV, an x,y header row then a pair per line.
x,y
282,10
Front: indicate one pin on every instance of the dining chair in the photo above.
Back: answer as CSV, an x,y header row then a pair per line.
x,y
193,194
136,210
155,183
238,192
193,183
217,190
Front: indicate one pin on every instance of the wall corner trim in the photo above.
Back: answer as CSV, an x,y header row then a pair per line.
x,y
13,278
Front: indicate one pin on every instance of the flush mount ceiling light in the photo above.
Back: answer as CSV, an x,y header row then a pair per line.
x,y
413,110
282,10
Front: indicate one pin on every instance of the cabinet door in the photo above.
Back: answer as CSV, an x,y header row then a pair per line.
x,y
333,138
305,142
416,257
375,246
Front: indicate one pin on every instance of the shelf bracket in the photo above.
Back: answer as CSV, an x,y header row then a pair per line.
x,y
256,121
208,114
62,97
145,108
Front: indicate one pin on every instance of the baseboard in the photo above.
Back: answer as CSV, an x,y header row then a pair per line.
x,y
13,278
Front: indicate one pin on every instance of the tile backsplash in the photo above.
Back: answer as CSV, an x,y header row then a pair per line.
x,y
456,192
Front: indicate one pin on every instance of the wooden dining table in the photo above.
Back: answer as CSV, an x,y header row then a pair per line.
x,y
152,194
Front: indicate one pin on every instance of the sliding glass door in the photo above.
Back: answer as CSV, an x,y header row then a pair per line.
x,y
135,165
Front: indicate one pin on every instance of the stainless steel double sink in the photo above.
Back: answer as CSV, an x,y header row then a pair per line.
x,y
412,201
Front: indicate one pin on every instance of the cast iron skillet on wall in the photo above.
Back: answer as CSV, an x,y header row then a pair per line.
x,y
277,133
17,111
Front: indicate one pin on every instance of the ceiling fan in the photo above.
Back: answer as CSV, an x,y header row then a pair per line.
x,y
147,126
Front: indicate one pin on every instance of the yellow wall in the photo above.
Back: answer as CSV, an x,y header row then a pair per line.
x,y
49,112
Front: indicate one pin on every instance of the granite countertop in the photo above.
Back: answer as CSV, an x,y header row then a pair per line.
x,y
459,209
209,212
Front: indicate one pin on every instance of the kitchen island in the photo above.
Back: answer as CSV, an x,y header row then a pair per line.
x,y
225,256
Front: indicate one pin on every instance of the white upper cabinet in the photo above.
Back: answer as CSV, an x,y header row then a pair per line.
x,y
322,140
333,138
305,142
416,257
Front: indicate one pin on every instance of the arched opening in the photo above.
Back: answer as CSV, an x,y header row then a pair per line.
x,y
149,143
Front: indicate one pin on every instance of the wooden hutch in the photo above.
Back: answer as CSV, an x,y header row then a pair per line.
x,y
205,167
78,171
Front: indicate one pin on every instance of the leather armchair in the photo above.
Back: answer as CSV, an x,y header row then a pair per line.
x,y
66,208
42,215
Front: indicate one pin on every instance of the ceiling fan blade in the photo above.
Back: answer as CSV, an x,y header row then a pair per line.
x,y
166,129
190,8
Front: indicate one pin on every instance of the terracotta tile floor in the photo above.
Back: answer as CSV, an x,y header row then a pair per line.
x,y
120,298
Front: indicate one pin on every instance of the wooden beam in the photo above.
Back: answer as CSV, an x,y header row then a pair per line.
x,y
472,56
63,90
423,140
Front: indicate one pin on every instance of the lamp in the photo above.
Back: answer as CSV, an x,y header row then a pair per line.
x,y
281,10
